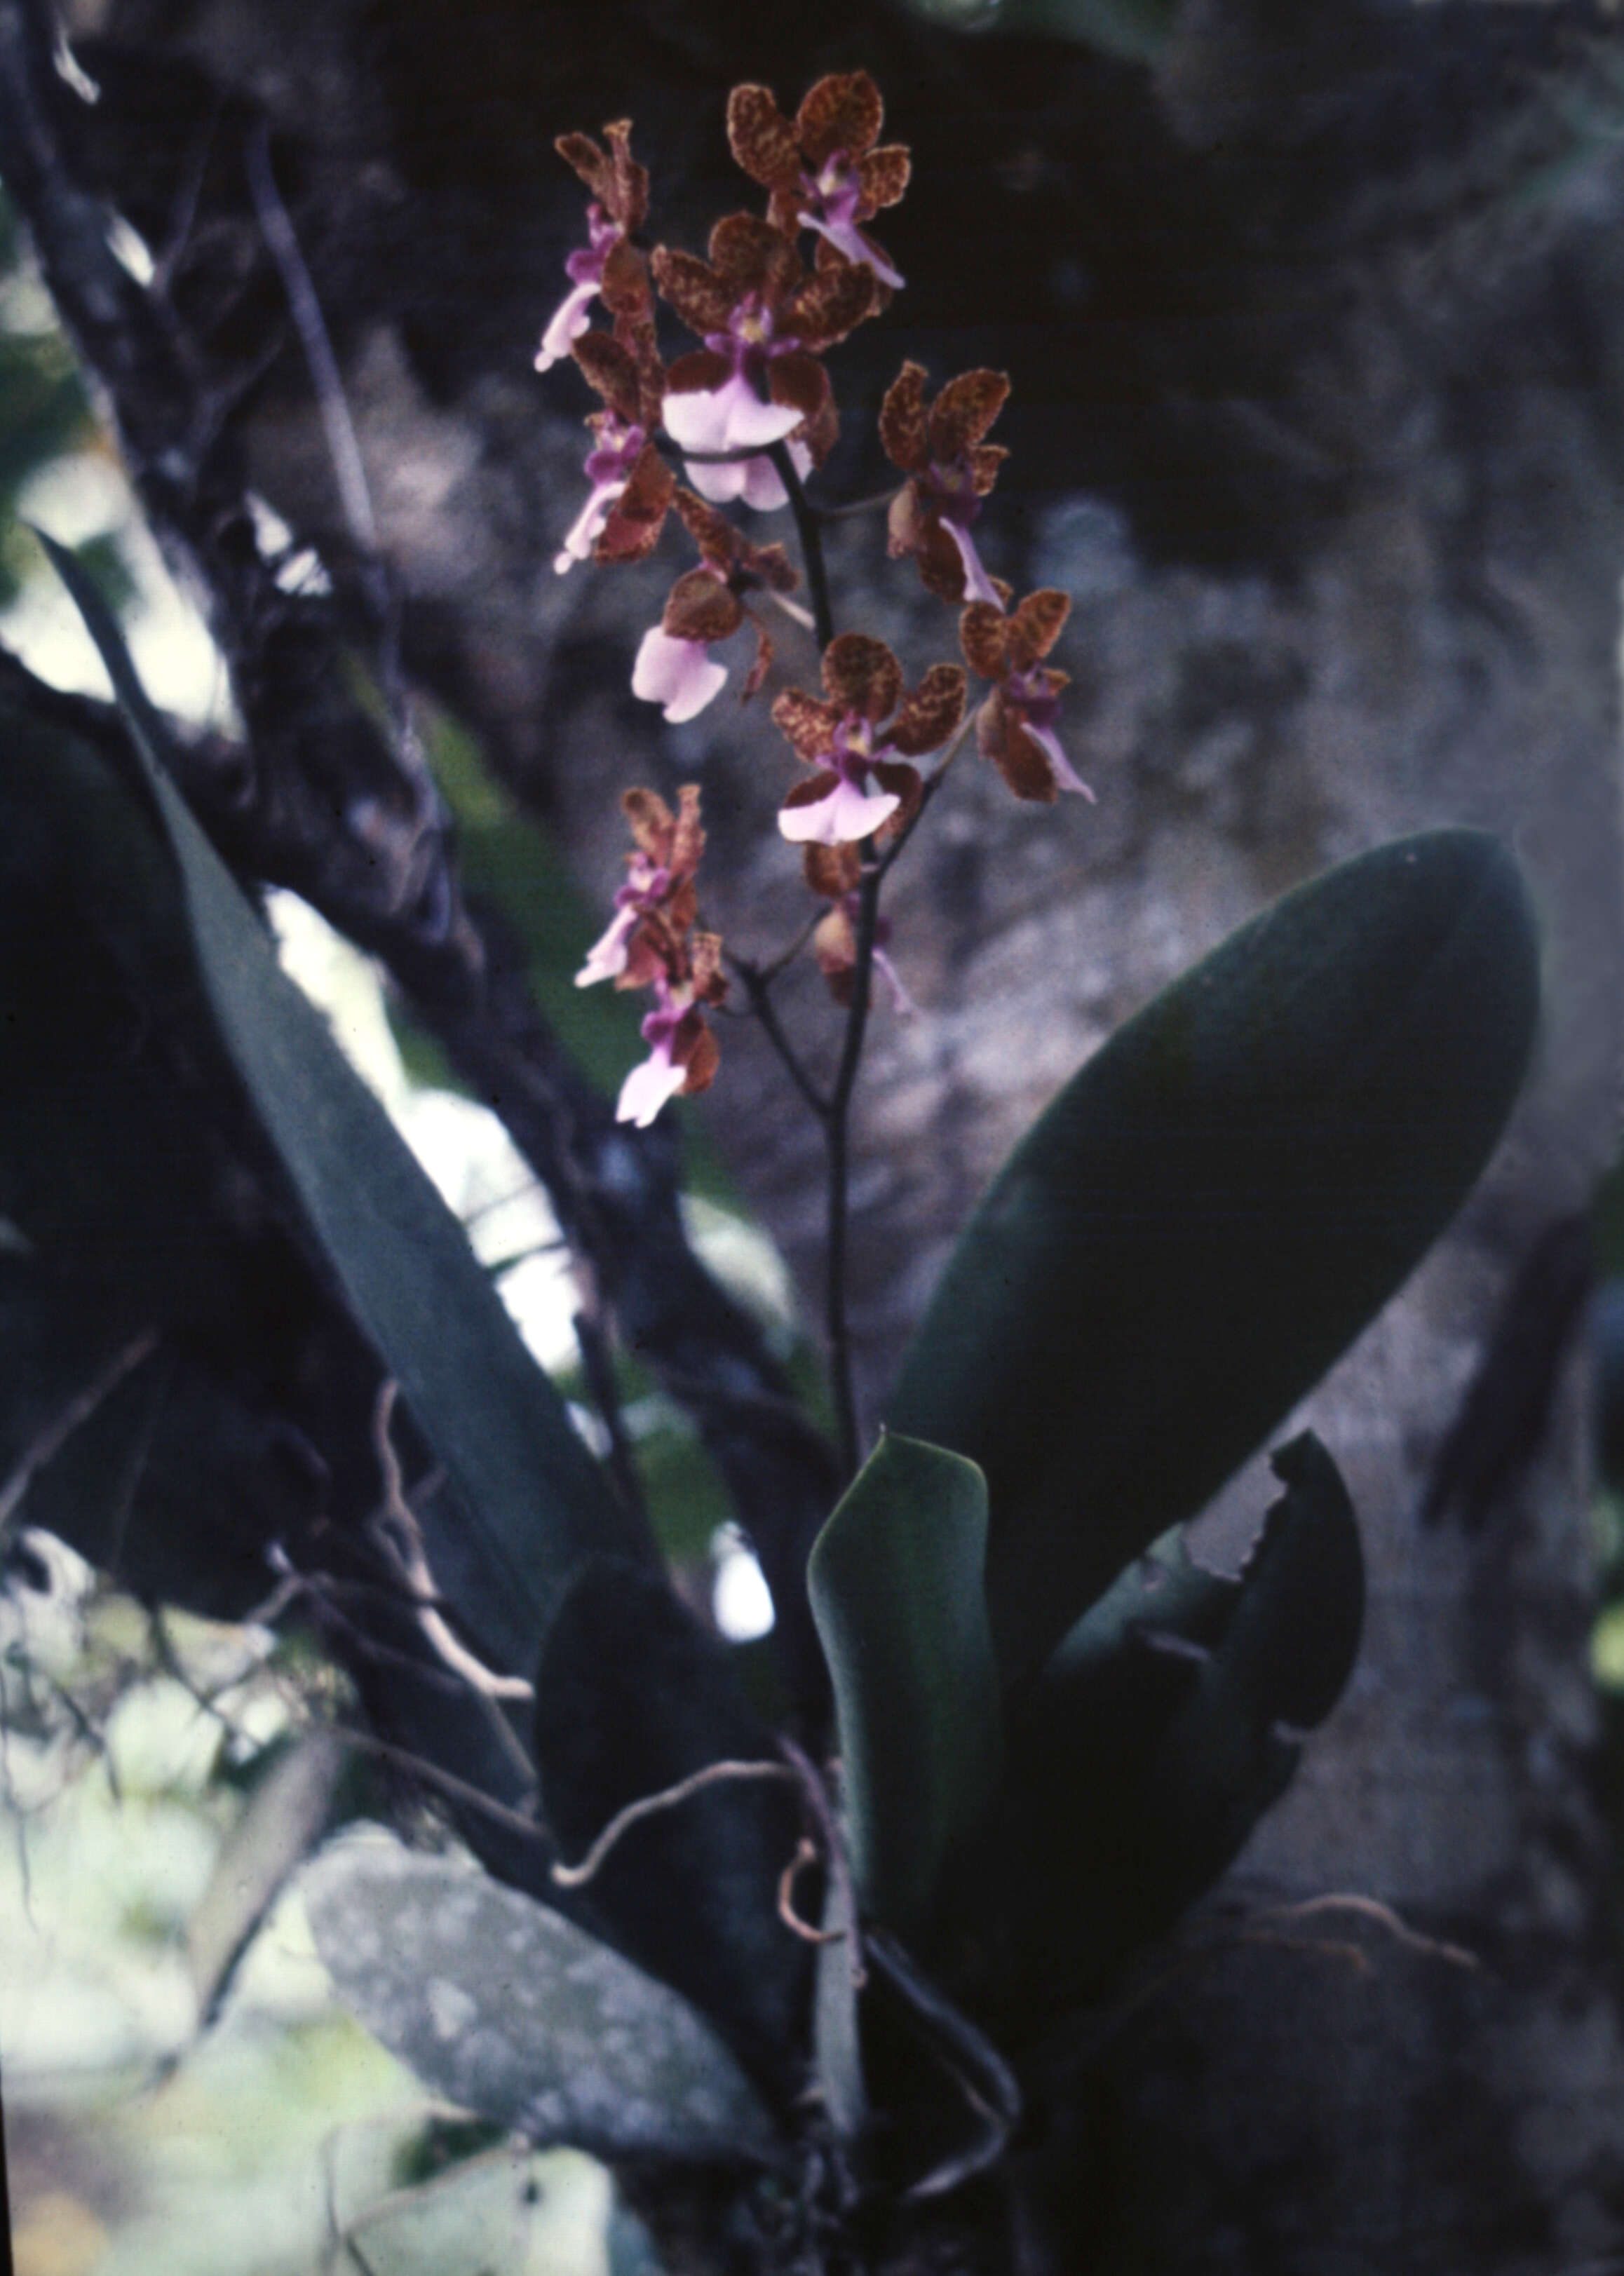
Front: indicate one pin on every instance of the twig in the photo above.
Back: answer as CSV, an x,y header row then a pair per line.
x,y
343,449
1371,1908
815,1794
46,1444
651,1805
977,2069
448,1783
806,1854
410,1561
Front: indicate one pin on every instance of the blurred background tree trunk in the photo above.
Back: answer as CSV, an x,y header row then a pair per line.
x,y
1319,354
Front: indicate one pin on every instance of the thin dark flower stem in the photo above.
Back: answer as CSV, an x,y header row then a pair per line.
x,y
837,1133
854,507
808,530
758,987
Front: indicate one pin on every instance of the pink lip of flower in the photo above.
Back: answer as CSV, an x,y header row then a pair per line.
x,y
679,674
834,196
1038,707
846,813
650,1083
586,266
608,469
844,817
659,1077
954,494
733,417
606,959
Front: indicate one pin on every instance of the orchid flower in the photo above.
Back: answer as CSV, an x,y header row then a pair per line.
x,y
1014,727
585,267
845,739
764,320
674,667
950,470
823,169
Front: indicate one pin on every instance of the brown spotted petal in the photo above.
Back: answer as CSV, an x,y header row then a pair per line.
x,y
708,980
964,410
930,714
614,178
613,369
762,664
831,871
750,255
702,608
834,944
770,565
1001,736
883,176
702,299
983,635
835,300
687,841
842,112
799,381
700,368
695,1050
861,675
761,139
710,529
916,528
985,460
903,432
809,724
654,825
904,784
624,286
1035,626
638,515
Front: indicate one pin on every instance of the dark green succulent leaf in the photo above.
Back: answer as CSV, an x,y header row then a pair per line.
x,y
1215,1207
532,1504
139,1294
1141,1764
632,1697
1294,1636
897,1588
500,2004
1165,1590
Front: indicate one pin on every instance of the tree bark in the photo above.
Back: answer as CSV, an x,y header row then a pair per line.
x,y
1318,352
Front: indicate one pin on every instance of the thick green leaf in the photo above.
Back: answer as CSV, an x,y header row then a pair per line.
x,y
533,1502
1145,1756
500,2004
1213,1208
896,1581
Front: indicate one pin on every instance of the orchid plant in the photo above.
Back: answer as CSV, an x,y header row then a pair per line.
x,y
836,1940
